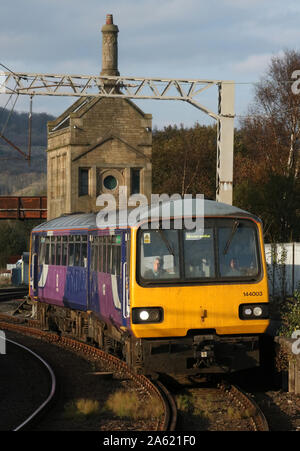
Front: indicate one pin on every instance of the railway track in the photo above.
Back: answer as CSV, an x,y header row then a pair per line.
x,y
21,405
158,389
52,383
7,294
246,403
168,419
214,406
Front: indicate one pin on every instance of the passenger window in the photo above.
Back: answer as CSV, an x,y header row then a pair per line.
x,y
47,252
71,250
58,250
64,256
42,250
109,259
77,255
104,248
52,250
116,255
83,258
93,248
100,254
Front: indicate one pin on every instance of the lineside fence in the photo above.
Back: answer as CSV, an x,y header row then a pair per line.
x,y
283,262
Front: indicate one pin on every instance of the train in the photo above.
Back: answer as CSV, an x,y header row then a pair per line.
x,y
163,299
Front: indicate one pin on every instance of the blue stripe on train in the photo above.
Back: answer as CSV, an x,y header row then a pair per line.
x,y
75,295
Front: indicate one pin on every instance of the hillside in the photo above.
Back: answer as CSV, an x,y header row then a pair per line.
x,y
17,176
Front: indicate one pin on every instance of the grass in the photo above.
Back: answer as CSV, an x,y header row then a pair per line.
x,y
194,405
237,414
198,408
82,408
122,404
125,404
4,281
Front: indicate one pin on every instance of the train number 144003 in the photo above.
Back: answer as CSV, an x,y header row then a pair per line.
x,y
252,293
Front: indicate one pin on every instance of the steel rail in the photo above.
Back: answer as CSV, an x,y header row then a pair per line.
x,y
170,419
52,391
258,420
12,293
113,362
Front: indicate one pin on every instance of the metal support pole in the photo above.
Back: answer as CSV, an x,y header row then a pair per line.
x,y
29,130
225,142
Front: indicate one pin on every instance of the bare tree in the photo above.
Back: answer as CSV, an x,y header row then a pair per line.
x,y
267,166
279,109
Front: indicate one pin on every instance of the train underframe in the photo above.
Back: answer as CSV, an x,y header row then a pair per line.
x,y
201,351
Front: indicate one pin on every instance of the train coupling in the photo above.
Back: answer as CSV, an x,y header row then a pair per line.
x,y
204,350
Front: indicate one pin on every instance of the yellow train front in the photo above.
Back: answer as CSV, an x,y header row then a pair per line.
x,y
198,298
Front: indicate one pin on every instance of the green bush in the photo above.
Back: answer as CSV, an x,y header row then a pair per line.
x,y
291,315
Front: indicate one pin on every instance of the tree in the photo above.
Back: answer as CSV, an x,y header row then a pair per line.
x,y
267,167
15,238
184,160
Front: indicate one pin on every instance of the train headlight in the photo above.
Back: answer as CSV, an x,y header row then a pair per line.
x,y
147,315
248,311
257,311
254,311
144,315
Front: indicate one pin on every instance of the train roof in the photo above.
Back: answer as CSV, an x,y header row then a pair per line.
x,y
124,218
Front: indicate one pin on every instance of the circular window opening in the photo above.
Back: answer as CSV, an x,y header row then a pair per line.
x,y
110,182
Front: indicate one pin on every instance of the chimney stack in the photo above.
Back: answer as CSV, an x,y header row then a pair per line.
x,y
109,47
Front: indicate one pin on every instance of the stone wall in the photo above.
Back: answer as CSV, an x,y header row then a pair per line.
x,y
104,135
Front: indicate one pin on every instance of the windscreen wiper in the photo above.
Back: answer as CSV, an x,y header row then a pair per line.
x,y
233,230
166,241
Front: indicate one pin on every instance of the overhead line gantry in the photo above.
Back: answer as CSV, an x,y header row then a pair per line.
x,y
187,90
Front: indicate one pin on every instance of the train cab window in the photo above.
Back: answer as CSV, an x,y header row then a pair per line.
x,y
238,255
159,254
199,261
226,250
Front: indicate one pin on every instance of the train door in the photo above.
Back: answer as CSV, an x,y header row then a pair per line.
x,y
94,265
125,275
108,276
76,289
34,265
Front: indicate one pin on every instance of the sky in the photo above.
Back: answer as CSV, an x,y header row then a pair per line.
x,y
191,39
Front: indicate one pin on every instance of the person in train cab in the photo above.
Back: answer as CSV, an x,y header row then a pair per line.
x,y
233,269
157,272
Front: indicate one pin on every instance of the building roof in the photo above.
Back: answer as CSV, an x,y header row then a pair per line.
x,y
81,107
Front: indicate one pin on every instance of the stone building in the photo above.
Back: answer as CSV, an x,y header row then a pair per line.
x,y
98,145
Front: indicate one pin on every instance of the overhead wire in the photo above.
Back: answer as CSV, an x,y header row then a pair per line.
x,y
9,115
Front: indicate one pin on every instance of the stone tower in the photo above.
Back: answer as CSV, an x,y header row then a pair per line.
x,y
98,145
110,47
